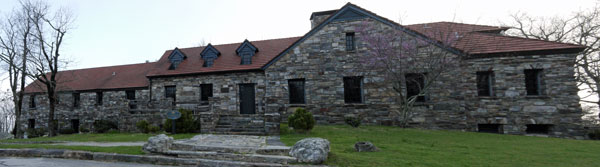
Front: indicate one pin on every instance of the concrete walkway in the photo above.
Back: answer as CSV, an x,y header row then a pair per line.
x,y
53,162
101,144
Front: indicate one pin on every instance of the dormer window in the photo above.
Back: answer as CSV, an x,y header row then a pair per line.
x,y
209,54
246,51
176,58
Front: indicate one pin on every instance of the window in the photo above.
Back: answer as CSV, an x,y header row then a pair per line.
x,y
131,97
246,58
99,98
31,124
208,62
350,41
490,128
296,88
353,89
206,91
170,92
538,128
533,82
32,101
485,82
130,94
414,85
76,100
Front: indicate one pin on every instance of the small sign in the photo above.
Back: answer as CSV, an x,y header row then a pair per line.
x,y
173,114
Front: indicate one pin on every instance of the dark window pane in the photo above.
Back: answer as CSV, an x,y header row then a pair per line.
x,y
206,91
533,81
208,62
31,124
246,58
170,92
131,97
484,83
99,98
353,89
490,128
130,94
350,41
76,100
32,101
414,85
296,88
538,128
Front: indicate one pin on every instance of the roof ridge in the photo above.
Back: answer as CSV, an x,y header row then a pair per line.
x,y
121,65
239,43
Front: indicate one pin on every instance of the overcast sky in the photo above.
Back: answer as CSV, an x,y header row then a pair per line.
x,y
113,32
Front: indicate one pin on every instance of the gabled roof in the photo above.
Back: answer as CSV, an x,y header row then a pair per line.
x,y
244,44
101,78
208,50
227,62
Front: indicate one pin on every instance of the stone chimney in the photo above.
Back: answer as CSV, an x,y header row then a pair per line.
x,y
317,17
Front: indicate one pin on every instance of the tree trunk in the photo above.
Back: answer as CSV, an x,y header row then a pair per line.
x,y
51,123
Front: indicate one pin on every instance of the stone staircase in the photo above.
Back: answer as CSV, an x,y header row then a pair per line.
x,y
233,150
240,125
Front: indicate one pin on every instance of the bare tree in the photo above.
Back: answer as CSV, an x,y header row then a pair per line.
x,y
6,111
16,42
581,28
410,64
49,32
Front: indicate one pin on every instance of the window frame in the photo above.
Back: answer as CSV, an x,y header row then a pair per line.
x,y
350,88
130,94
423,81
174,92
538,79
32,103
202,90
350,41
300,98
489,88
208,62
99,98
246,58
76,100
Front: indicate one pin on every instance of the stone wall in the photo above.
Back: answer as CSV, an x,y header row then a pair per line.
x,y
511,106
115,108
322,60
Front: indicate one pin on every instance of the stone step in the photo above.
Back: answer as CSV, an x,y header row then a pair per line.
x,y
278,159
266,150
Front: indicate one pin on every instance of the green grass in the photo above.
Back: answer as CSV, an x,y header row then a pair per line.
x,y
134,150
414,147
99,137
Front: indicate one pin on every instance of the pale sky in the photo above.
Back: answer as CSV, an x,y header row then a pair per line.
x,y
114,32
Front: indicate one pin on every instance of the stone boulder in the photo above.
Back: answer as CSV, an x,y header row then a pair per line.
x,y
311,150
365,146
4,135
158,144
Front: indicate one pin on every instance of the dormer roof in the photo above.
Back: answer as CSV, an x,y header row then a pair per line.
x,y
246,46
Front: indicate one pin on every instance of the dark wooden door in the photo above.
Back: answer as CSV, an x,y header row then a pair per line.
x,y
247,103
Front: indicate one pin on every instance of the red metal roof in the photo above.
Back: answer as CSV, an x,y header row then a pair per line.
x,y
125,76
227,61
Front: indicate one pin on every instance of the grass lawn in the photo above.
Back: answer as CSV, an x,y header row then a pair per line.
x,y
100,137
415,147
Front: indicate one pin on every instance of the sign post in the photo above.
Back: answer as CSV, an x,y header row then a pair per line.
x,y
173,115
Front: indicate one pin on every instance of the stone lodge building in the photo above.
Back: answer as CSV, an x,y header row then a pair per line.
x,y
504,84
